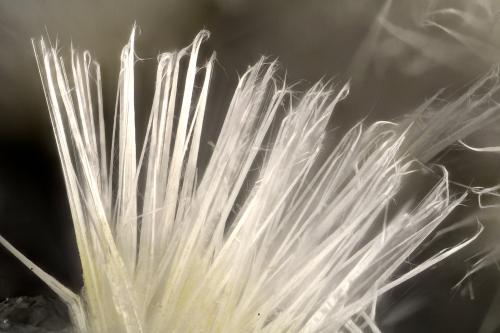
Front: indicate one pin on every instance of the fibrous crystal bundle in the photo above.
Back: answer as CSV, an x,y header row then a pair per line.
x,y
279,232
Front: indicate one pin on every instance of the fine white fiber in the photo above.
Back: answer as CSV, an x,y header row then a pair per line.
x,y
306,243
450,33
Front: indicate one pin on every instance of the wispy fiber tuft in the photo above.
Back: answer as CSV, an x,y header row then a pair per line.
x,y
303,244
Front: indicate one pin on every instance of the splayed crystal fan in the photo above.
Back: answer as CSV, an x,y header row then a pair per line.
x,y
310,247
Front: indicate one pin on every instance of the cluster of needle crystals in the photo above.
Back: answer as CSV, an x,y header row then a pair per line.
x,y
273,236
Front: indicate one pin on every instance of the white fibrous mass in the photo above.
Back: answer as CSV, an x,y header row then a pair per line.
x,y
281,232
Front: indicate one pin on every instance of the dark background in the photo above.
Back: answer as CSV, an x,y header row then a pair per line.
x,y
313,40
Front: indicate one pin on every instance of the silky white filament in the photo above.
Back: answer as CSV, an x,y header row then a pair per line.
x,y
310,247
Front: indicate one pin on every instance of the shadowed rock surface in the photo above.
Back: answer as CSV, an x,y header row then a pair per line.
x,y
33,315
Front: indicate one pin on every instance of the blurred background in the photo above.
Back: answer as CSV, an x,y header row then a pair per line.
x,y
396,54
